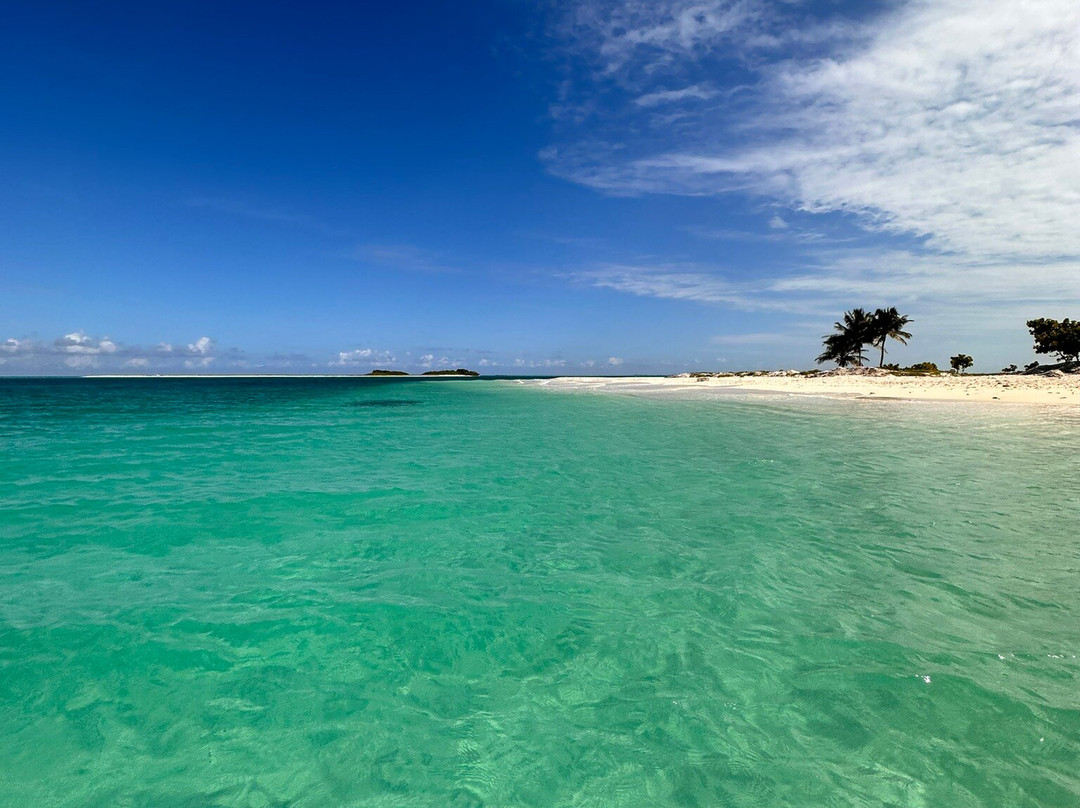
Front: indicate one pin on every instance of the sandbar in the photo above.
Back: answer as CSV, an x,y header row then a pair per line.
x,y
1004,388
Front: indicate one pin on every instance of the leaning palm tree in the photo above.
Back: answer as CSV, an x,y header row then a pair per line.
x,y
888,324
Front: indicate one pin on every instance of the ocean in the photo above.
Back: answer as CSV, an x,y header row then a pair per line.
x,y
356,592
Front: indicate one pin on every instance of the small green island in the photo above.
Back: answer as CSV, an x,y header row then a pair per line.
x,y
456,372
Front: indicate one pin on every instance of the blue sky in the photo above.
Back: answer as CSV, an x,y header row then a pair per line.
x,y
647,186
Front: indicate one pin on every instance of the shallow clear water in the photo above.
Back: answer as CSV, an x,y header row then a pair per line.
x,y
310,593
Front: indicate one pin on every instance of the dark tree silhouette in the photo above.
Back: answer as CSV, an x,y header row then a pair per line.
x,y
845,346
839,348
888,324
1061,338
960,362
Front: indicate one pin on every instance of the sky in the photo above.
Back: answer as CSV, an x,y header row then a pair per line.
x,y
647,186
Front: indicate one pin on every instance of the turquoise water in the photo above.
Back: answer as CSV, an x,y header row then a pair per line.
x,y
466,593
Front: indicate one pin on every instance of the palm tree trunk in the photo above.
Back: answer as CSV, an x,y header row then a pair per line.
x,y
881,364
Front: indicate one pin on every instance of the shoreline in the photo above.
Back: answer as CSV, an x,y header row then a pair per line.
x,y
992,389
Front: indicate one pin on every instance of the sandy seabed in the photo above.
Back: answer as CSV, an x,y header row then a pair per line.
x,y
1014,389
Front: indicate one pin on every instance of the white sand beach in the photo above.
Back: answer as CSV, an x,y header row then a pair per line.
x,y
1016,389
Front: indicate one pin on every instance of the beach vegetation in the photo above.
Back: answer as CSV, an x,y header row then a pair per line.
x,y
886,324
918,369
1009,369
925,367
1056,337
960,362
843,350
456,372
846,346
859,328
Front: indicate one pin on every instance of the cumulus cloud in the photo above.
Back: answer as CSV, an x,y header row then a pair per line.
x,y
363,357
614,361
79,343
201,347
79,351
539,364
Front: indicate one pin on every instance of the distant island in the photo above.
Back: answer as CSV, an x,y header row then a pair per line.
x,y
457,372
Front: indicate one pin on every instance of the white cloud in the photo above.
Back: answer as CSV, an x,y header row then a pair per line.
x,y
79,343
654,32
540,363
364,356
954,121
614,361
73,339
138,362
957,123
200,363
693,282
354,356
202,346
669,96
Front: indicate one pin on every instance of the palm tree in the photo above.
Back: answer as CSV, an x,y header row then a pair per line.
x,y
841,349
846,345
888,324
858,325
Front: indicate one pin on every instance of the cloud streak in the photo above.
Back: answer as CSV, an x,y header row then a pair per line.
x,y
956,122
